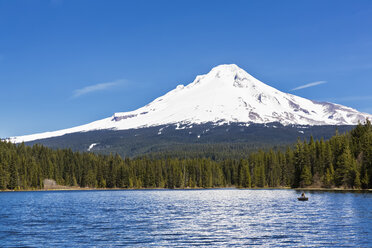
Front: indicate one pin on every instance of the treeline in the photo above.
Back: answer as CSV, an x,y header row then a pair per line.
x,y
214,151
343,161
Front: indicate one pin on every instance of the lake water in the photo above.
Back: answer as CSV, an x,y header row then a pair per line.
x,y
179,218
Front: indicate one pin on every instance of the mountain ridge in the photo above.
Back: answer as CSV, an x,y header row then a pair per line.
x,y
227,94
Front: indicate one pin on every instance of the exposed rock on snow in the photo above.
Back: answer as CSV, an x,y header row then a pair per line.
x,y
226,94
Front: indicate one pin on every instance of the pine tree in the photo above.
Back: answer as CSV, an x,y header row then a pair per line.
x,y
306,177
345,164
3,178
365,179
245,176
329,177
13,179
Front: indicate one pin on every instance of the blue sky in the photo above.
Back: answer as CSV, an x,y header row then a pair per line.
x,y
69,62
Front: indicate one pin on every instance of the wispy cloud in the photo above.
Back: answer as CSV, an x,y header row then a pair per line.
x,y
96,87
309,85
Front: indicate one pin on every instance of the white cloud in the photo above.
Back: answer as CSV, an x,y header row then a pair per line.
x,y
309,85
96,87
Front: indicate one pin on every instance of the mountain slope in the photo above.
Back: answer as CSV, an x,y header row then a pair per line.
x,y
227,94
200,140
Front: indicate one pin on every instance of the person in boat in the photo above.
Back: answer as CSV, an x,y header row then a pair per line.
x,y
303,195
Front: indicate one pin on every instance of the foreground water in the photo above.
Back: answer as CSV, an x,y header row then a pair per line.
x,y
179,218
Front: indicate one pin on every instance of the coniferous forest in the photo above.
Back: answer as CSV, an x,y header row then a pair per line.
x,y
344,161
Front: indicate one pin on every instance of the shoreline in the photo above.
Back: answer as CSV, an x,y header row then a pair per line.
x,y
65,188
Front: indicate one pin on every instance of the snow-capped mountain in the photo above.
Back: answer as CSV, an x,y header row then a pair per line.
x,y
227,94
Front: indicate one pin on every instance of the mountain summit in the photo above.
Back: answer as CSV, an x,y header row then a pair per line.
x,y
227,94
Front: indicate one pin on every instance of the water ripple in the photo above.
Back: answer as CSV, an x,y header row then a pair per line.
x,y
179,218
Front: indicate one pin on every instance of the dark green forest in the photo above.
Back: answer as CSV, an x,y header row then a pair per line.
x,y
343,161
234,140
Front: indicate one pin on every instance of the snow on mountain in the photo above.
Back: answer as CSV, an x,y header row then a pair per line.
x,y
226,94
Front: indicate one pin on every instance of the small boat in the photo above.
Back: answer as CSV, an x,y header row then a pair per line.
x,y
303,198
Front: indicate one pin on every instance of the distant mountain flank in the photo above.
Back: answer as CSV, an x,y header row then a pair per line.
x,y
225,95
199,140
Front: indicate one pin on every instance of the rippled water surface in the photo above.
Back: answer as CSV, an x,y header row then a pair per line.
x,y
179,218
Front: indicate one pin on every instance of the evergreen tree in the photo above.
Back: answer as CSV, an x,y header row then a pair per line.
x,y
306,177
344,171
245,176
13,179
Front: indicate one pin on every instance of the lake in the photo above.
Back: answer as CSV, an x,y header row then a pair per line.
x,y
179,218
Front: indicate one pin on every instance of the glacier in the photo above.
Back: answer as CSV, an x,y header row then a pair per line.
x,y
227,94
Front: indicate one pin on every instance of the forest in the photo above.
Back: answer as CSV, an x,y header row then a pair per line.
x,y
343,161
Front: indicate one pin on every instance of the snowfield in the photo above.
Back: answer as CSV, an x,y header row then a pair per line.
x,y
226,94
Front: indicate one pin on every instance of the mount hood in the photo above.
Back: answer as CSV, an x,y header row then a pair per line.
x,y
227,94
